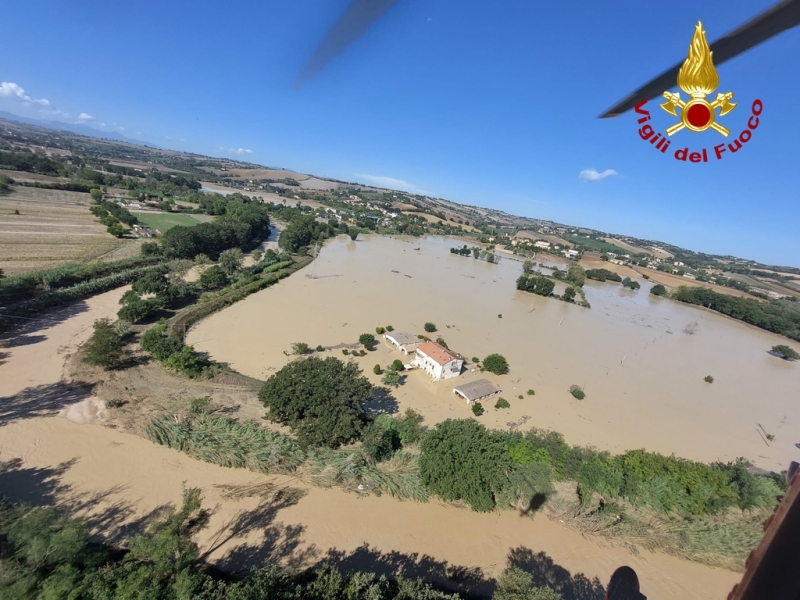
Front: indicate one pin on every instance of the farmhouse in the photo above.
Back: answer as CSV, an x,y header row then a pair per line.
x,y
437,361
477,390
405,342
542,244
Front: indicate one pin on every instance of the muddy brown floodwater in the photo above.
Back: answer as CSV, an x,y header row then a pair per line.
x,y
643,376
117,480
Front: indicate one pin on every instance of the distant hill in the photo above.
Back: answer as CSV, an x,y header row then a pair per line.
x,y
78,128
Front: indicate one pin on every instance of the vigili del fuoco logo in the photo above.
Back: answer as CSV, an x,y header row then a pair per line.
x,y
698,78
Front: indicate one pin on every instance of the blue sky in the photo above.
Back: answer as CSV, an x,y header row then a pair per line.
x,y
493,104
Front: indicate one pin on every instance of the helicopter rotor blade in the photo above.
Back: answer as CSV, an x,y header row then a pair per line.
x,y
352,25
777,19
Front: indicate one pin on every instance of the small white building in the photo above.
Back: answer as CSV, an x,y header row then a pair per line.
x,y
541,244
571,253
437,361
405,342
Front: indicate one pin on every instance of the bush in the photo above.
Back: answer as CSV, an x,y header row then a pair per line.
x,y
496,363
576,275
569,294
658,290
345,351
377,369
502,403
708,379
429,327
531,393
516,584
536,284
158,344
362,352
379,330
104,348
476,360
320,399
367,339
520,396
477,409
188,362
300,348
785,352
603,275
380,439
577,392
398,365
389,328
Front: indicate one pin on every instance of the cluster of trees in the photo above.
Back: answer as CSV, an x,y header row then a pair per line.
x,y
464,250
496,363
775,316
5,181
658,290
537,284
174,354
602,275
111,214
32,162
241,224
150,294
630,283
104,347
462,460
302,231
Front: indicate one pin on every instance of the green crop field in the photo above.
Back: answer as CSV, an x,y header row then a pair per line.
x,y
165,221
593,244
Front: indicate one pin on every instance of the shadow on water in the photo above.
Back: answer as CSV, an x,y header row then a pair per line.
x,y
42,400
117,520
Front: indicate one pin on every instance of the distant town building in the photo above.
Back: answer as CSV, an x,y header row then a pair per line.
x,y
571,253
541,244
437,361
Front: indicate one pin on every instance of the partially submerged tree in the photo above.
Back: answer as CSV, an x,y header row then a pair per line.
x,y
496,363
658,290
785,352
429,327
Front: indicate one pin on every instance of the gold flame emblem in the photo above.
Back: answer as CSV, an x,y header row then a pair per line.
x,y
698,78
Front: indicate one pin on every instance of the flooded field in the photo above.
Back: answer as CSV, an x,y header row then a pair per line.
x,y
643,375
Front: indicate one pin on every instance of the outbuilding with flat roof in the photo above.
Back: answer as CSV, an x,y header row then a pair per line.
x,y
405,342
477,390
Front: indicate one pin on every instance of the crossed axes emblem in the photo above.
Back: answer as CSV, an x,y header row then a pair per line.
x,y
722,101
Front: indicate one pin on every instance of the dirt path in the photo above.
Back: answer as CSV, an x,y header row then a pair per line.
x,y
117,480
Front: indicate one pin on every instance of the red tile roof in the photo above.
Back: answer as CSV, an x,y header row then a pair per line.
x,y
438,353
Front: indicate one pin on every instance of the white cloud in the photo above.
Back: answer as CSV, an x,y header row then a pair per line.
x,y
391,183
239,151
12,90
595,175
85,117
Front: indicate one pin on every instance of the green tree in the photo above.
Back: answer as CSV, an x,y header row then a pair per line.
x,y
391,377
367,340
213,278
577,392
785,352
159,345
658,290
502,403
96,194
569,294
527,267
138,310
377,369
187,361
300,348
117,230
429,327
104,348
576,275
230,261
354,231
496,363
398,365
321,400
256,255
462,460
152,282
